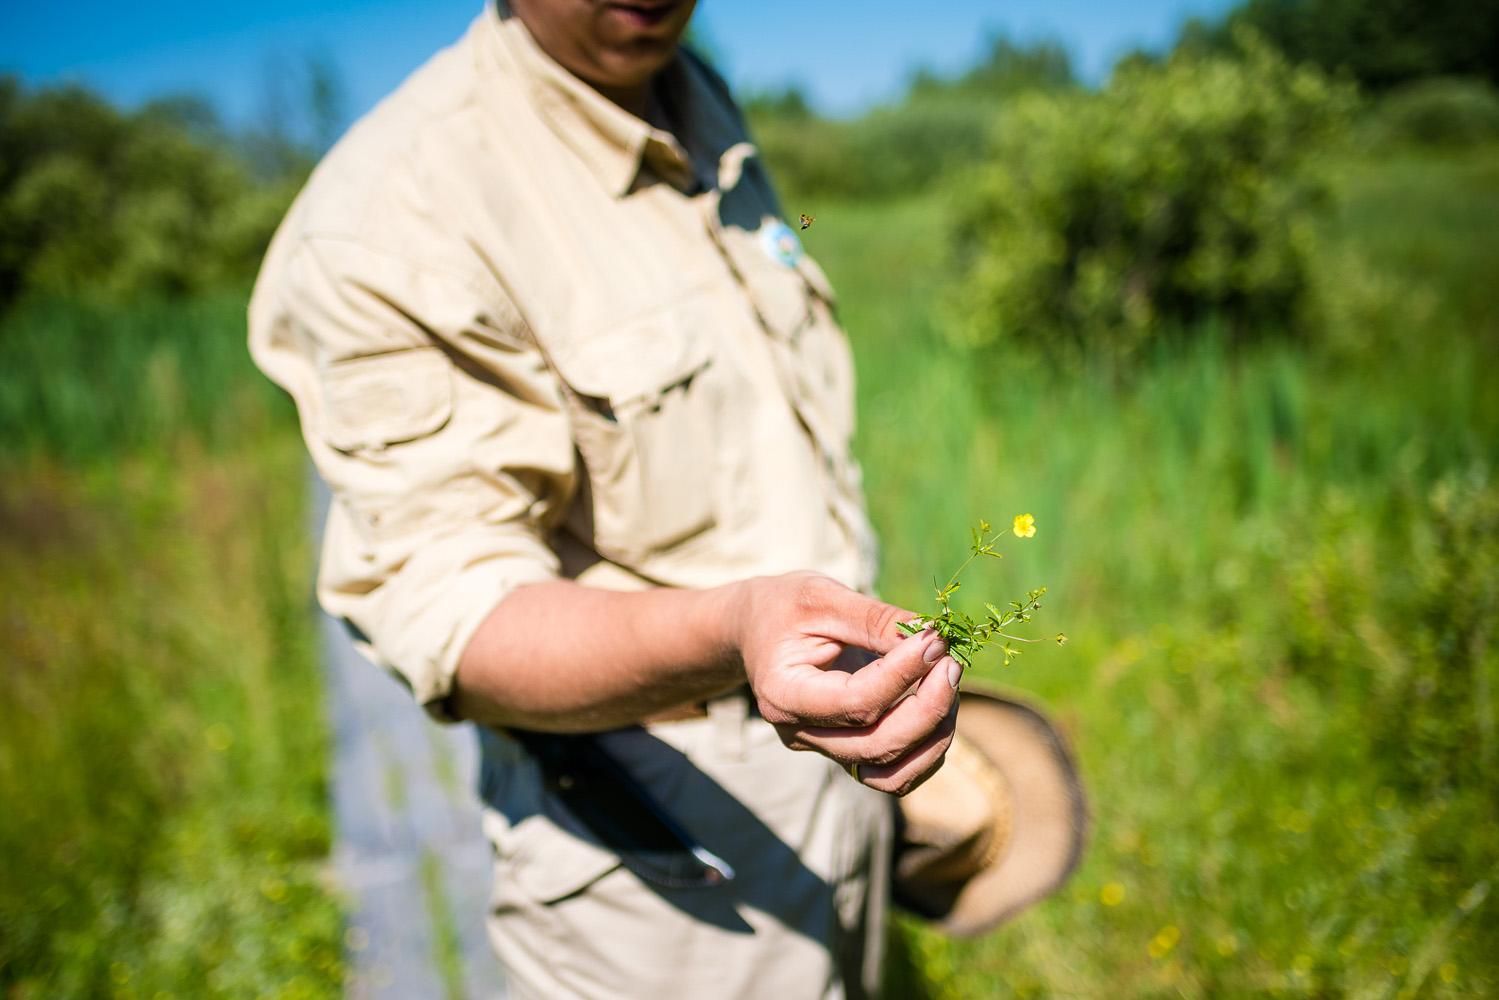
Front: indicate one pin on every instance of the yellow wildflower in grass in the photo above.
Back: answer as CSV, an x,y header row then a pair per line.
x,y
1025,526
1112,894
1164,940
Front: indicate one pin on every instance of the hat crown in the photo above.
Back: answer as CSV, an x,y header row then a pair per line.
x,y
1000,826
956,824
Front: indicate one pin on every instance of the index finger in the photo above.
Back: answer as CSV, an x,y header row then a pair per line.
x,y
855,619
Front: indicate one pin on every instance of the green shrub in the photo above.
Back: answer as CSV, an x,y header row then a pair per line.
x,y
1174,197
107,203
1444,112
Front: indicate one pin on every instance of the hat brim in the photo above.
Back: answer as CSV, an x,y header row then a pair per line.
x,y
1048,813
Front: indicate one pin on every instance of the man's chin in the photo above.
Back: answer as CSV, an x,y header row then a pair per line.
x,y
637,66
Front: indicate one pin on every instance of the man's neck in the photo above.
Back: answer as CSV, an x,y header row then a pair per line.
x,y
635,100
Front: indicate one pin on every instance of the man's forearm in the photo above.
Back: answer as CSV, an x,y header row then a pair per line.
x,y
563,657
566,658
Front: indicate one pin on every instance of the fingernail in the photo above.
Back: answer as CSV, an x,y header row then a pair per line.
x,y
954,673
933,651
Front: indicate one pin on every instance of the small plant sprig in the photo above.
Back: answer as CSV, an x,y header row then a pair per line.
x,y
966,636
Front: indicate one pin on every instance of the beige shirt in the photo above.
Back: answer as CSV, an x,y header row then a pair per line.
x,y
530,335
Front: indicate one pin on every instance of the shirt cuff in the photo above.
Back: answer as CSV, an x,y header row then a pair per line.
x,y
420,621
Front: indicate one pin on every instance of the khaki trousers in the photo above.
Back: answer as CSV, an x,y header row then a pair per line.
x,y
803,918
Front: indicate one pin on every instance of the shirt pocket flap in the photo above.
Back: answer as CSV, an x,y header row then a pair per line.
x,y
372,402
641,360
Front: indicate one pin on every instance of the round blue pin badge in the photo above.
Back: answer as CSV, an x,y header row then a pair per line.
x,y
780,242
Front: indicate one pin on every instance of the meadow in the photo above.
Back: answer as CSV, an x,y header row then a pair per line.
x,y
1279,570
165,753
1278,565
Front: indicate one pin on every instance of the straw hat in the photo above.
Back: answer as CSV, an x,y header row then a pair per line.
x,y
998,827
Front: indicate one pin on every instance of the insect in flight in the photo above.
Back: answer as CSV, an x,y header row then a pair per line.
x,y
807,220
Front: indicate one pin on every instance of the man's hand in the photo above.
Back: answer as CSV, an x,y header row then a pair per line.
x,y
791,632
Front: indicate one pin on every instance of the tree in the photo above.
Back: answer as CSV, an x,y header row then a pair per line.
x,y
98,201
1380,43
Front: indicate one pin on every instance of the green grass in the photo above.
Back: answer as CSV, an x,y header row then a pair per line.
x,y
164,755
85,381
1278,569
447,945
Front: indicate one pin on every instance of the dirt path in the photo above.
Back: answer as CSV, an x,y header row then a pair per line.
x,y
408,852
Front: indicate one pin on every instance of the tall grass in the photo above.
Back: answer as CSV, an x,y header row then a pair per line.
x,y
163,746
83,380
1279,573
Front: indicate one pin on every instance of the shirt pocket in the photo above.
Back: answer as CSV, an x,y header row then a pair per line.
x,y
370,403
646,413
542,853
553,856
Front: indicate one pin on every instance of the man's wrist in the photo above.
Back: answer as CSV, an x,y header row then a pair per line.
x,y
721,622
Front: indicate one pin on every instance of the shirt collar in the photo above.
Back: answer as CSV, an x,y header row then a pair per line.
x,y
611,142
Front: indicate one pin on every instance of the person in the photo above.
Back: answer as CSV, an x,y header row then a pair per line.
x,y
585,410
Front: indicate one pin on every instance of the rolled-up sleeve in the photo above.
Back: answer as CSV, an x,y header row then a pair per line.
x,y
441,435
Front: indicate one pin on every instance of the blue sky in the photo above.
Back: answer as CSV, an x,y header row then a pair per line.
x,y
847,53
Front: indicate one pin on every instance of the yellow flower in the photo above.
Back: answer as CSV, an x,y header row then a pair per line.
x,y
1025,526
1164,940
1112,894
